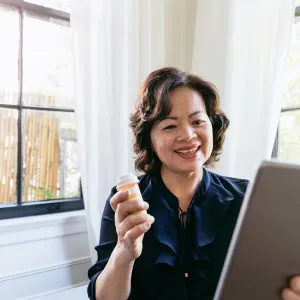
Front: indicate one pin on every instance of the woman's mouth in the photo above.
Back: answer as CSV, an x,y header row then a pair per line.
x,y
188,153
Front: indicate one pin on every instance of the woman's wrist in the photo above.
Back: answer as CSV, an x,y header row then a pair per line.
x,y
121,259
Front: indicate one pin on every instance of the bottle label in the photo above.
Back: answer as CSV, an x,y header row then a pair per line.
x,y
134,192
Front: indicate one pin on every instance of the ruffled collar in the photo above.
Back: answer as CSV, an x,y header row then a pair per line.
x,y
208,206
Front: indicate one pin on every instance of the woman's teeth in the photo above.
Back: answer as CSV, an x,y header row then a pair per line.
x,y
187,151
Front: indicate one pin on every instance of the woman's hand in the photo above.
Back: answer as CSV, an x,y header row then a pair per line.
x,y
293,291
130,225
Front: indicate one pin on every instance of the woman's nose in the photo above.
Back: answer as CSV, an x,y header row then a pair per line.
x,y
186,134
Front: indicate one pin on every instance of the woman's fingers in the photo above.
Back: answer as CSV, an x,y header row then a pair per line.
x,y
132,221
293,292
118,198
288,294
129,207
295,284
137,231
130,225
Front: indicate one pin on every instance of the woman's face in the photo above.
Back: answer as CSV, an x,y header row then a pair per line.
x,y
183,141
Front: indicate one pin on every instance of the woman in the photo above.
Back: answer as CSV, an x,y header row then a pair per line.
x,y
178,129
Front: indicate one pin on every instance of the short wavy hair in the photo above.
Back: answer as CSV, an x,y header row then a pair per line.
x,y
154,105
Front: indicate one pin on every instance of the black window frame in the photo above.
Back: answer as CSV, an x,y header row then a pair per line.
x,y
25,209
275,151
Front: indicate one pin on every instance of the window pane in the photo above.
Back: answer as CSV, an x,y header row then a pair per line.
x,y
289,136
292,93
62,5
50,165
8,155
47,66
9,55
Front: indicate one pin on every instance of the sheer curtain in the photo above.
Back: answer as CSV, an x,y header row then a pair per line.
x,y
244,50
116,45
241,47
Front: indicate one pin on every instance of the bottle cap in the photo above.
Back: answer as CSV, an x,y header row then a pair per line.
x,y
126,180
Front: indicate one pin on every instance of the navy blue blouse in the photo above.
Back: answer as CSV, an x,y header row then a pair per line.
x,y
180,260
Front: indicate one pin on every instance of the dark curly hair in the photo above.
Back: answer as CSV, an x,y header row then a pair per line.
x,y
153,105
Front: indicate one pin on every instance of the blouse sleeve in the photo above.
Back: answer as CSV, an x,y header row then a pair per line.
x,y
108,241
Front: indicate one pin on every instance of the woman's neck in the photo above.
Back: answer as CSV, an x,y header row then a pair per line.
x,y
182,185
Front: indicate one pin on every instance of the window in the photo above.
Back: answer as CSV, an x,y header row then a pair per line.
x,y
287,144
39,167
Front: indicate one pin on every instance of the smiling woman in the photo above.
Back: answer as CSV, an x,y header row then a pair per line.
x,y
184,142
177,249
178,129
166,97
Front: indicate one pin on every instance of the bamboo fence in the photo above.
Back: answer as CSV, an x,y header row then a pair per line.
x,y
41,155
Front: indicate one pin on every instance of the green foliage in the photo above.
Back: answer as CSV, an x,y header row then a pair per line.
x,y
42,193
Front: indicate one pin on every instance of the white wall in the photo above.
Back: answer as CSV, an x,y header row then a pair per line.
x,y
43,254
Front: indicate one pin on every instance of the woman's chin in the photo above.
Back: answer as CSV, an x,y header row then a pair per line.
x,y
187,167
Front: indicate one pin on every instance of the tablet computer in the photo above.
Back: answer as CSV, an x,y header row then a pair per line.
x,y
264,251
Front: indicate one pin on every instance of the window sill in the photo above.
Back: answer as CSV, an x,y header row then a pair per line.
x,y
39,208
27,223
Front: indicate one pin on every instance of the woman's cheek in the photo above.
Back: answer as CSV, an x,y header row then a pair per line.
x,y
207,139
163,143
209,134
169,142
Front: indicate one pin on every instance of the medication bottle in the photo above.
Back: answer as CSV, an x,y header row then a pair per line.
x,y
130,182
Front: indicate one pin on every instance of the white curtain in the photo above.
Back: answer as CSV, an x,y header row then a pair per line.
x,y
116,45
242,48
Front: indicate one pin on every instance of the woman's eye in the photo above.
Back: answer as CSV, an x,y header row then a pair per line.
x,y
170,127
198,122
